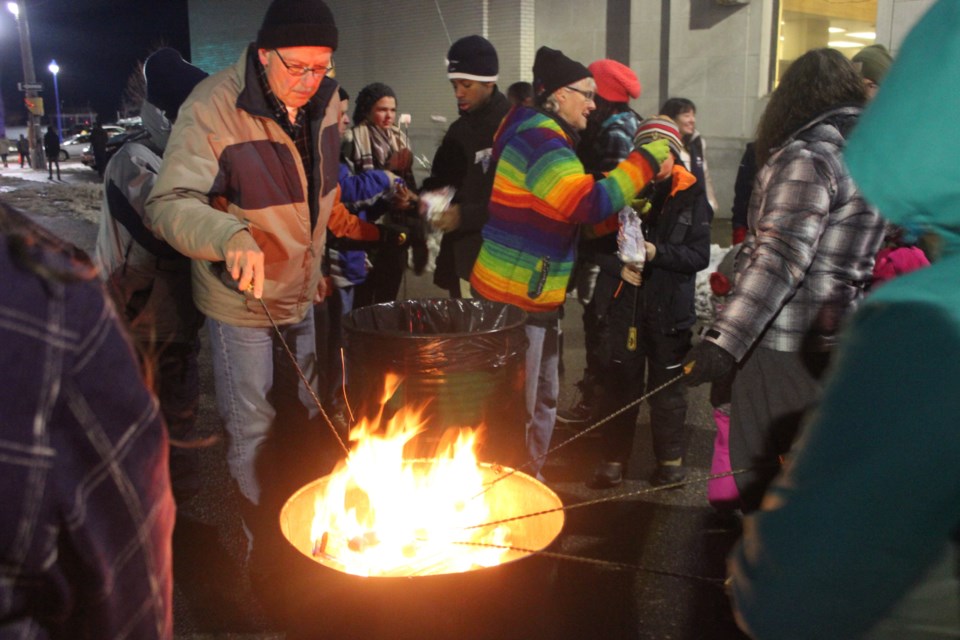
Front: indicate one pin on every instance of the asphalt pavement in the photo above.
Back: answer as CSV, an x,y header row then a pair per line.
x,y
630,562
647,565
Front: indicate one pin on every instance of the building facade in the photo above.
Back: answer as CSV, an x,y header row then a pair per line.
x,y
724,55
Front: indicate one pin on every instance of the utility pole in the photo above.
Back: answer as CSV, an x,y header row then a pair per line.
x,y
30,86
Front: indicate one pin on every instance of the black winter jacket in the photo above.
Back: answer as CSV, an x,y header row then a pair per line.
x,y
679,226
463,161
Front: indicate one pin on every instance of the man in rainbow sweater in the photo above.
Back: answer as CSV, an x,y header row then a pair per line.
x,y
541,195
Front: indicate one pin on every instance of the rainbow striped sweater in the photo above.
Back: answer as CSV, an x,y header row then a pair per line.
x,y
541,194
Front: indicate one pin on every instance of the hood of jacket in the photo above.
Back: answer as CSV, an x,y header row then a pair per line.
x,y
910,173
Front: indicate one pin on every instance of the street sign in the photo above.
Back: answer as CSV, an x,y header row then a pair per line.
x,y
30,86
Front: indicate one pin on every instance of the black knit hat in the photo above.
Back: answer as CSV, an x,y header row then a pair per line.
x,y
473,58
170,79
552,70
297,23
368,97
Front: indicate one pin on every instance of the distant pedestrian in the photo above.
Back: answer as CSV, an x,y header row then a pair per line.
x,y
51,146
98,143
5,144
23,148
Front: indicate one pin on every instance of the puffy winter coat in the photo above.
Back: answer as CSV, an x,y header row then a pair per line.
x,y
810,248
229,167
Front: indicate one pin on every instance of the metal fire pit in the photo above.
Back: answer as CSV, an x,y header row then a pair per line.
x,y
505,600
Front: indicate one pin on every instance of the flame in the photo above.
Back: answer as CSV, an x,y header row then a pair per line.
x,y
384,515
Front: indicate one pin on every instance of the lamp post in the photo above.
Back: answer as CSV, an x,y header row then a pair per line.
x,y
29,82
55,69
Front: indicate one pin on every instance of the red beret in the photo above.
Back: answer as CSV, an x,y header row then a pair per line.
x,y
616,82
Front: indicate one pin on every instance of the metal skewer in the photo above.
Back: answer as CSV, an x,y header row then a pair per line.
x,y
303,378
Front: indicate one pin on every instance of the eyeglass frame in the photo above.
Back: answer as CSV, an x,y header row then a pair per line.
x,y
303,70
589,95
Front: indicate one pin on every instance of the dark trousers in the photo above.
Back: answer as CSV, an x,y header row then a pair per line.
x,y
178,389
657,357
51,161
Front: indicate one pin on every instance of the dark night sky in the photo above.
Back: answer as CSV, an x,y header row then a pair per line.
x,y
96,43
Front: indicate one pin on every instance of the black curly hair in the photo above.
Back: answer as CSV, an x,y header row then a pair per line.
x,y
368,97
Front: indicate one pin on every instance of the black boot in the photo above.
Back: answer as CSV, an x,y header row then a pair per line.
x,y
668,474
608,474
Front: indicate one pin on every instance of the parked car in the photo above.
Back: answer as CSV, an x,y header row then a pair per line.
x,y
113,144
73,146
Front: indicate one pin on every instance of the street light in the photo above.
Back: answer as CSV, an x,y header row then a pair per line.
x,y
29,83
55,69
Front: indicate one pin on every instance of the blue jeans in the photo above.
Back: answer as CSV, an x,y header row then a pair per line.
x,y
251,372
542,388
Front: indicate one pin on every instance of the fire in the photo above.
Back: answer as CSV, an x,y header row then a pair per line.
x,y
381,514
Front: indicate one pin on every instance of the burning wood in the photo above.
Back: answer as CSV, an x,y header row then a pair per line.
x,y
380,514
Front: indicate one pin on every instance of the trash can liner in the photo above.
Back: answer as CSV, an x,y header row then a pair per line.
x,y
463,360
437,336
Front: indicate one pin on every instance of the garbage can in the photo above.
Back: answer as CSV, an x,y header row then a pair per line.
x,y
462,359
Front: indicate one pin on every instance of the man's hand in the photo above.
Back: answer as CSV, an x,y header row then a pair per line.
x,y
244,261
651,250
324,287
449,220
707,362
631,275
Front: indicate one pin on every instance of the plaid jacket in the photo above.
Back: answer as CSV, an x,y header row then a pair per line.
x,y
810,246
87,510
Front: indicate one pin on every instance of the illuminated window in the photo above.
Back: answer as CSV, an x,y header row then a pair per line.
x,y
845,25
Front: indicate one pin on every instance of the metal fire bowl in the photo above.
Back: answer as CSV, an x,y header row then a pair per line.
x,y
515,495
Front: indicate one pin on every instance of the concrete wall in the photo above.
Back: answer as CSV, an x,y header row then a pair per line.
x,y
718,56
895,18
402,43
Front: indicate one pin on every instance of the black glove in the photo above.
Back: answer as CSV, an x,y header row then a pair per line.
x,y
707,362
393,235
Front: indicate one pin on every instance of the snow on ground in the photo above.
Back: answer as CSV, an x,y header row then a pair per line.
x,y
70,208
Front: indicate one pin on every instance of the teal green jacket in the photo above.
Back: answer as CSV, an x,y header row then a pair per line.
x,y
858,537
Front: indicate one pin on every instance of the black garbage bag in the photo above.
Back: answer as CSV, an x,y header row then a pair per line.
x,y
463,360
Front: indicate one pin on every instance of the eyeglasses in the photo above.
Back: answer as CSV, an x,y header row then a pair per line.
x,y
589,95
298,70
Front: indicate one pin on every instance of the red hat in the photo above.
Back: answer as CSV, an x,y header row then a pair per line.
x,y
616,82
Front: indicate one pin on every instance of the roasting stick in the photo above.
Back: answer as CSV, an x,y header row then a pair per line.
x,y
621,566
686,369
303,378
615,497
